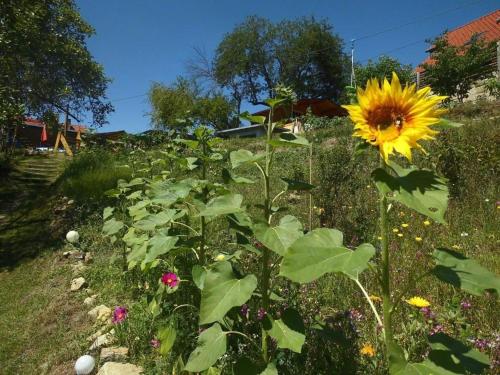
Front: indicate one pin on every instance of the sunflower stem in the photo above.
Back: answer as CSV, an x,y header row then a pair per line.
x,y
385,279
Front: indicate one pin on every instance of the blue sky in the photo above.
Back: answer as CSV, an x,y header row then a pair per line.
x,y
139,42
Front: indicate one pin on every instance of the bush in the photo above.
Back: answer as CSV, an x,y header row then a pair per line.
x,y
90,174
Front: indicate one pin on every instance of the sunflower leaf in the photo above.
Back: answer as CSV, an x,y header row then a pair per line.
x,y
280,237
211,346
420,190
466,274
289,331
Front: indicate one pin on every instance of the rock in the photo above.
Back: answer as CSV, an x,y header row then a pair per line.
x,y
117,354
114,368
88,257
89,301
77,284
100,313
71,201
97,334
70,253
102,340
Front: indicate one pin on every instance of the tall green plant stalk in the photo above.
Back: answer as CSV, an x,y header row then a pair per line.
x,y
203,230
385,276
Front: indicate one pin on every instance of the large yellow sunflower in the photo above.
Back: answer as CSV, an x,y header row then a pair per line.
x,y
395,118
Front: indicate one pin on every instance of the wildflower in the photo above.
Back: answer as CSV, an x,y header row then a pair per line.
x,y
119,315
428,313
244,311
427,223
170,279
437,328
355,315
418,239
395,230
220,257
456,247
481,344
261,313
418,302
486,200
375,298
400,234
379,238
405,225
465,305
395,118
367,350
155,343
464,234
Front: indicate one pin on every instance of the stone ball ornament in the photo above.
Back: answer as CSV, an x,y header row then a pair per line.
x,y
84,365
72,236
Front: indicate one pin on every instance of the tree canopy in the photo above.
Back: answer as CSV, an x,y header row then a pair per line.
x,y
44,61
183,105
303,54
454,69
381,69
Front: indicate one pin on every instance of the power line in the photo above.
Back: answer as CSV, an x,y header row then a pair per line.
x,y
128,98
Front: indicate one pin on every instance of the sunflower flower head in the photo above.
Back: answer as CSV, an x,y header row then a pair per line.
x,y
418,302
394,118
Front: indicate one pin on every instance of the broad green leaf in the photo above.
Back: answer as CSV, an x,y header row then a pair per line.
x,y
167,336
320,252
464,273
137,254
273,102
289,140
229,177
213,371
131,238
223,205
253,119
448,124
135,182
145,224
216,156
159,244
112,226
135,195
108,211
448,357
241,157
288,331
192,163
270,370
211,346
420,190
223,291
139,208
199,274
297,185
281,237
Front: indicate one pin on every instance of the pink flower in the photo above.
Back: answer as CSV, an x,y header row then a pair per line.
x,y
261,313
155,343
170,279
119,315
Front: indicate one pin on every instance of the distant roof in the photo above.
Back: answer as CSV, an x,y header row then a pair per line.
x,y
39,123
319,107
486,26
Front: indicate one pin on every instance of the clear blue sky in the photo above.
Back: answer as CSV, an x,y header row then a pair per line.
x,y
141,41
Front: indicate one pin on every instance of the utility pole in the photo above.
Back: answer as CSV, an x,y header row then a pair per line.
x,y
66,120
353,75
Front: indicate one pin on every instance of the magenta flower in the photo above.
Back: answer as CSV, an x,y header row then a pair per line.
x,y
170,279
437,328
427,312
261,313
119,315
244,311
155,343
465,305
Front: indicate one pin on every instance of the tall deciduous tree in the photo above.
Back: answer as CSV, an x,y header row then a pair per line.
x,y
454,69
383,68
44,61
183,105
304,54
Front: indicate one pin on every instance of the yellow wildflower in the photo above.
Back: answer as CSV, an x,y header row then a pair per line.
x,y
427,223
220,257
394,118
367,350
400,234
395,230
418,302
418,239
404,225
379,238
375,298
456,247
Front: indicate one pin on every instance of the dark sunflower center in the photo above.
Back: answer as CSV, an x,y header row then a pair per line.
x,y
384,117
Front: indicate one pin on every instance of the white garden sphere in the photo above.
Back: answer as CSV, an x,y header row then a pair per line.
x,y
85,364
72,236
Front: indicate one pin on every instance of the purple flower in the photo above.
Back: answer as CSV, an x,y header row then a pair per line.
x,y
355,315
170,279
244,311
155,343
465,305
481,344
427,312
119,315
261,313
437,328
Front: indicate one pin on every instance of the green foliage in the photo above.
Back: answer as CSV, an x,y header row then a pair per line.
x,y
382,69
211,346
288,331
57,69
280,237
257,55
89,174
454,70
492,86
